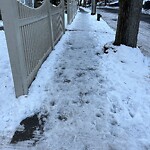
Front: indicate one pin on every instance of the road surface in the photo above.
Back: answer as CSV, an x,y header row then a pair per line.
x,y
110,15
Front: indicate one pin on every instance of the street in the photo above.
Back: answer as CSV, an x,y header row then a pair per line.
x,y
110,15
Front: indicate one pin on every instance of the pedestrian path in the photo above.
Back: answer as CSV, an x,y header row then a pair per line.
x,y
78,117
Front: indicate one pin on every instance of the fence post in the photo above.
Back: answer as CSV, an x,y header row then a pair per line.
x,y
63,16
10,15
68,11
49,10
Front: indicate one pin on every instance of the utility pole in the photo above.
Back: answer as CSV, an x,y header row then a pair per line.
x,y
105,2
93,10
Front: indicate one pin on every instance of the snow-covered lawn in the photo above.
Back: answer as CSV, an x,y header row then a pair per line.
x,y
95,101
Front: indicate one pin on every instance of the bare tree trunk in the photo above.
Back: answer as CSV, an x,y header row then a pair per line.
x,y
128,22
93,9
105,2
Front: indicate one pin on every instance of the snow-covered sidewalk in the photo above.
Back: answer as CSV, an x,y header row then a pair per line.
x,y
94,101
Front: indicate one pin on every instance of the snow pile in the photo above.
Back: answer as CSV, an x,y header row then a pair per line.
x,y
128,78
94,100
144,11
113,4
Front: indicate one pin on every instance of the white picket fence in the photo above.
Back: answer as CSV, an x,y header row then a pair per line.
x,y
31,34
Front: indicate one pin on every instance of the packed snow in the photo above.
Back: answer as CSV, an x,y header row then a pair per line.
x,y
94,100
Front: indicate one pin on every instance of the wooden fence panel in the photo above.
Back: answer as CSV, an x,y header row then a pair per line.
x,y
30,34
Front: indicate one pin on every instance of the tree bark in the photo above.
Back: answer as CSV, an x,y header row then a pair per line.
x,y
128,22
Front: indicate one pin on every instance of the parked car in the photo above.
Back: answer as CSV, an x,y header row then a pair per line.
x,y
146,5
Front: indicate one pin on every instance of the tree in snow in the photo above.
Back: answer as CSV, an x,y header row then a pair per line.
x,y
93,9
128,22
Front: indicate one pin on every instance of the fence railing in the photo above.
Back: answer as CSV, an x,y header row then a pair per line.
x,y
72,6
